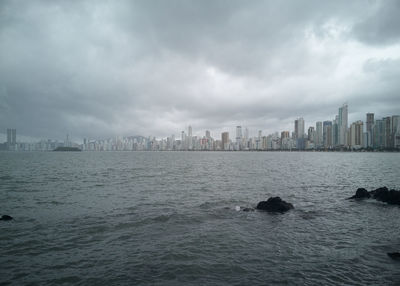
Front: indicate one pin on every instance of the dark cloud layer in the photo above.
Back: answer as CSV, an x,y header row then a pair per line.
x,y
104,68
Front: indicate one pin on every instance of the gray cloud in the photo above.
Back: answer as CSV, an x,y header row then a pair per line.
x,y
98,69
381,27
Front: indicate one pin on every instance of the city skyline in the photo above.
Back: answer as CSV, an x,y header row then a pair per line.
x,y
335,134
134,67
199,132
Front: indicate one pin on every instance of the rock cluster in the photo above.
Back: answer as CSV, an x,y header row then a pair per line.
x,y
275,204
381,194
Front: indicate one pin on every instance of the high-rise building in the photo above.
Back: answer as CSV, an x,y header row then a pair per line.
x,y
327,134
370,122
369,127
239,133
343,124
238,138
246,134
388,132
319,139
356,134
379,133
11,137
396,131
183,141
225,140
299,133
335,132
208,134
299,128
311,134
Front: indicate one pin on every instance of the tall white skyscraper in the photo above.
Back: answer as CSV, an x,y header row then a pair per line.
x,y
343,124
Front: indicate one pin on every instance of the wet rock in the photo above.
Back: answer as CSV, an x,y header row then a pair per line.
x,y
6,217
384,195
274,204
361,193
381,194
248,209
394,255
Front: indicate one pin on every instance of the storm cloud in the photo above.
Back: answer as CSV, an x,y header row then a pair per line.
x,y
97,69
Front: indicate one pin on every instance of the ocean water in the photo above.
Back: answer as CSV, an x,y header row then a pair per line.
x,y
169,218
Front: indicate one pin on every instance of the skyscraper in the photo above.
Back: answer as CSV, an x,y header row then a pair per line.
x,y
379,133
11,137
238,137
395,130
299,128
343,124
388,132
311,134
356,134
370,124
299,133
319,139
225,140
190,141
370,121
327,134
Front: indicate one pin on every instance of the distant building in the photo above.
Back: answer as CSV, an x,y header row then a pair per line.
x,y
299,128
11,139
225,141
311,134
356,135
379,134
327,134
343,124
319,139
299,133
396,131
369,127
238,145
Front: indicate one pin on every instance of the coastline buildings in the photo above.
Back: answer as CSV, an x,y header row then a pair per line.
x,y
375,134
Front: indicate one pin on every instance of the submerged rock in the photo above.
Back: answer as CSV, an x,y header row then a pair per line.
x,y
381,194
6,217
384,195
248,209
361,193
394,255
274,204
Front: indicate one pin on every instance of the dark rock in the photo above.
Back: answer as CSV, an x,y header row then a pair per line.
x,y
361,193
6,217
384,195
274,204
394,255
248,209
378,190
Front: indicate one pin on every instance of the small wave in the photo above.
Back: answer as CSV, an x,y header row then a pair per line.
x,y
5,178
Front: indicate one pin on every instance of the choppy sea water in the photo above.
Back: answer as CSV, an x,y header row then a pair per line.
x,y
169,218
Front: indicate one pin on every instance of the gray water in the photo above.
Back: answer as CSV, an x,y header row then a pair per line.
x,y
169,218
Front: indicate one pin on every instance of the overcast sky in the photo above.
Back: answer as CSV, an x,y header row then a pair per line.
x,y
97,69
